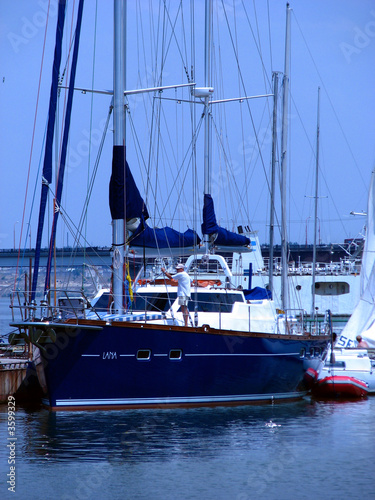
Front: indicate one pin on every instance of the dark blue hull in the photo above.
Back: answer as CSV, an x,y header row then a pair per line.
x,y
134,366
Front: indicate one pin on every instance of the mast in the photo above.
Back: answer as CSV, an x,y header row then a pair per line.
x,y
284,142
207,117
316,205
273,175
119,71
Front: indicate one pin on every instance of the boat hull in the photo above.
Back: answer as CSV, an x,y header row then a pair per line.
x,y
125,365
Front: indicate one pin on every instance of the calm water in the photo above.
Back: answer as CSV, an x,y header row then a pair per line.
x,y
303,450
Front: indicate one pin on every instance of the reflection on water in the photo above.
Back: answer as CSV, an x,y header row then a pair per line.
x,y
154,435
139,435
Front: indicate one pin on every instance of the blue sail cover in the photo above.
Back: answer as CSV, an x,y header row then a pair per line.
x,y
165,237
257,293
122,179
209,226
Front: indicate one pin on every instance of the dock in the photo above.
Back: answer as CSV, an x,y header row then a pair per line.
x,y
12,374
18,378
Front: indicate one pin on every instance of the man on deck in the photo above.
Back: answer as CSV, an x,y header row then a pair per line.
x,y
183,288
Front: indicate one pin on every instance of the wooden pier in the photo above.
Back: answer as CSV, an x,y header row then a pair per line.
x,y
18,378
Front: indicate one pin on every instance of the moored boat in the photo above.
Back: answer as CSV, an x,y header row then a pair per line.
x,y
340,386
351,366
347,372
234,351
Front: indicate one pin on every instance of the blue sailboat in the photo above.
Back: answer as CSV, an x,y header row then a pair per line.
x,y
234,351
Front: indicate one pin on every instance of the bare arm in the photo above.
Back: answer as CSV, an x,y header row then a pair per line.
x,y
166,273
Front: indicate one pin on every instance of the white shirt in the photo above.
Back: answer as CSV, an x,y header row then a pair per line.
x,y
184,281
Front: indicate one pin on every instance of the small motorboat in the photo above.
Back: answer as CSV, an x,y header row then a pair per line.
x,y
340,386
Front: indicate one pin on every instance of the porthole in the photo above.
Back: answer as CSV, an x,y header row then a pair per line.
x,y
144,354
312,352
302,354
175,354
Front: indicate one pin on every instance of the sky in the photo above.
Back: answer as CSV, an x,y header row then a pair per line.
x,y
332,47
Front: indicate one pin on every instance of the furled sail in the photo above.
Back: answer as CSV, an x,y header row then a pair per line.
x,y
219,236
165,237
122,184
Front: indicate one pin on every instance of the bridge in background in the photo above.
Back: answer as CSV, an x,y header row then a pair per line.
x,y
65,257
101,256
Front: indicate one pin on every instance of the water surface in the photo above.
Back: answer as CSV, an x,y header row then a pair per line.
x,y
303,450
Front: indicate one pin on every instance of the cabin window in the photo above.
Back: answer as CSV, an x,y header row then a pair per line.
x,y
175,354
302,354
312,352
332,288
154,302
144,354
214,302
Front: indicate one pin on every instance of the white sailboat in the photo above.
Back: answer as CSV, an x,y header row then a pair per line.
x,y
362,321
350,369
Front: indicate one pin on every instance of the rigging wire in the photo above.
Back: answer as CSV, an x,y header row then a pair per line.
x,y
243,86
36,185
31,149
91,122
330,101
173,35
247,102
245,170
321,172
157,111
269,33
79,232
265,72
247,181
179,174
